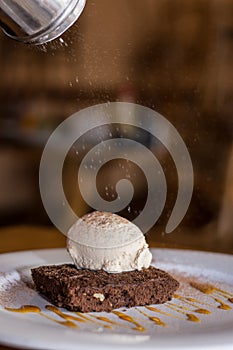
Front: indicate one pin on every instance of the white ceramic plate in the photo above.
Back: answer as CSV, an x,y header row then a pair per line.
x,y
200,317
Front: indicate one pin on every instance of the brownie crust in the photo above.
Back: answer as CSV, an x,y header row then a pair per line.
x,y
88,291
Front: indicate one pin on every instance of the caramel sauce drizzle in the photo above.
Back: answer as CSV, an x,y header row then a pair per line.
x,y
222,305
154,309
105,319
190,306
226,295
204,288
192,318
63,315
90,319
193,302
183,310
177,308
69,324
156,320
214,293
25,309
196,302
130,319
202,311
35,309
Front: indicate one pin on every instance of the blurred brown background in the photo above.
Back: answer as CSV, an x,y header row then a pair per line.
x,y
174,56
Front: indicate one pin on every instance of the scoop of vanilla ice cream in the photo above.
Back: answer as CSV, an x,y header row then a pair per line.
x,y
106,241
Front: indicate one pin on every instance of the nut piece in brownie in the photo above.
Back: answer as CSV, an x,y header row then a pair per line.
x,y
89,290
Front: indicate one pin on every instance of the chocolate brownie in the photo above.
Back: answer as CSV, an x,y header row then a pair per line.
x,y
87,290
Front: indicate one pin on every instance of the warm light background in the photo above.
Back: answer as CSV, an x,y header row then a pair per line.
x,y
174,56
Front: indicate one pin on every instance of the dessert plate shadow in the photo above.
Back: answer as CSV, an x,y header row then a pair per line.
x,y
200,316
